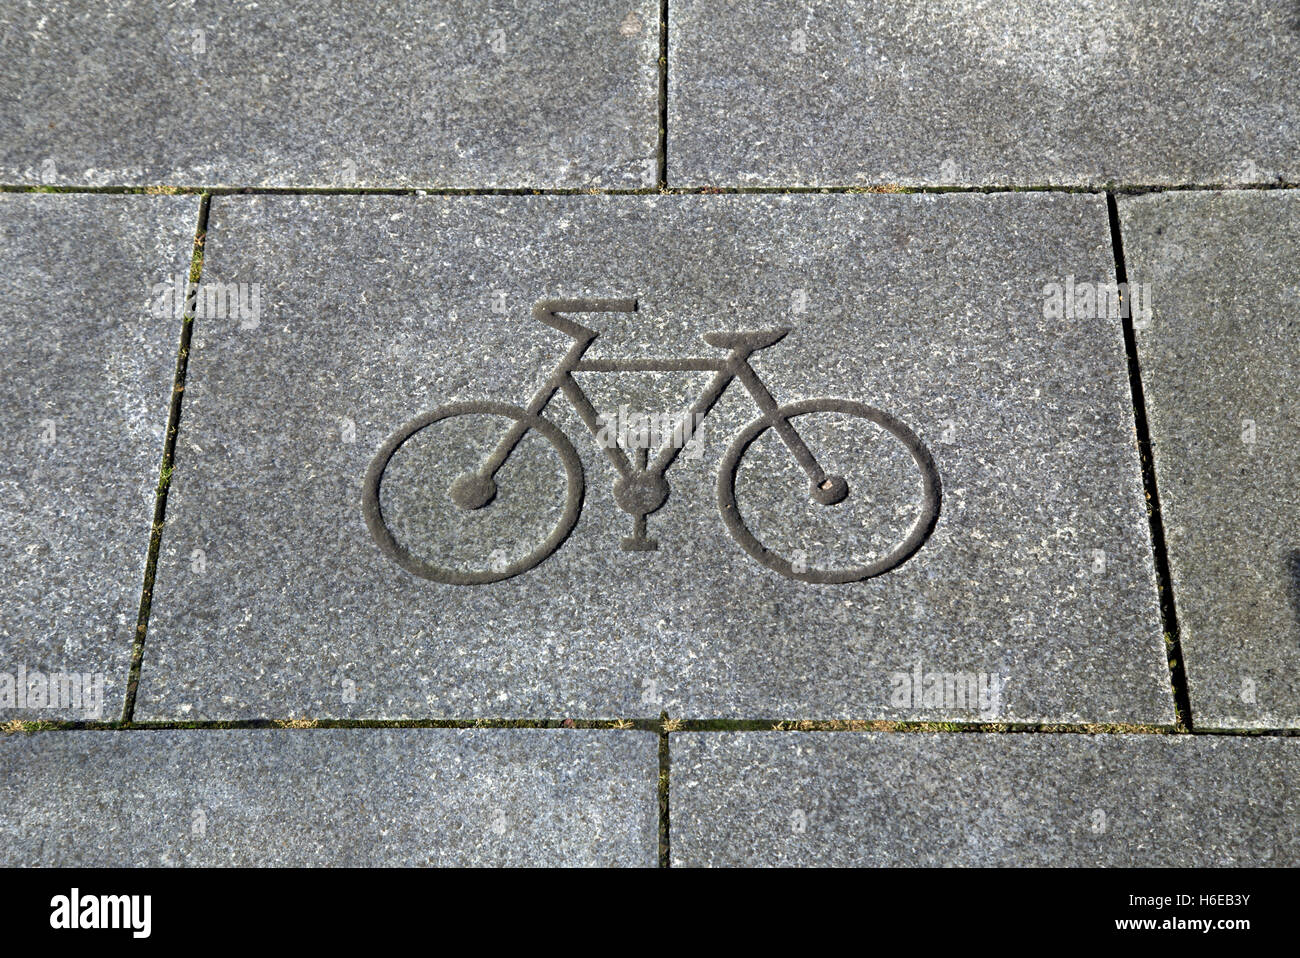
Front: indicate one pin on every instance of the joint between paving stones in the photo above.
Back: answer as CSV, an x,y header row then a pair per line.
x,y
657,726
665,779
166,466
1131,189
1160,556
662,140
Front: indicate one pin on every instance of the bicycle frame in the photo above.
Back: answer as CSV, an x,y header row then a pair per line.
x,y
731,367
641,487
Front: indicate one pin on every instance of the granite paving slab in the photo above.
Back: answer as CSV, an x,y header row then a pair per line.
x,y
89,366
349,797
1220,367
337,543
983,92
305,93
981,800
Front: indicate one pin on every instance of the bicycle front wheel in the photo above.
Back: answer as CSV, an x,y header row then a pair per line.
x,y
434,509
890,509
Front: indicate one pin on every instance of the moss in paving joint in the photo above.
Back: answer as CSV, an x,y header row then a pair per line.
x,y
884,725
18,726
662,727
165,468
663,785
1248,732
1132,189
833,725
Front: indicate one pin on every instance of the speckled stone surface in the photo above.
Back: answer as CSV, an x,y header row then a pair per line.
x,y
453,93
273,599
1001,92
83,399
984,800
338,797
1221,372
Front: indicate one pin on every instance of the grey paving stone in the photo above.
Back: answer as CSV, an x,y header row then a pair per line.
x,y
273,598
1221,368
350,797
455,93
981,800
1002,92
84,398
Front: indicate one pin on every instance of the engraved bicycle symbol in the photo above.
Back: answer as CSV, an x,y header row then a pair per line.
x,y
641,487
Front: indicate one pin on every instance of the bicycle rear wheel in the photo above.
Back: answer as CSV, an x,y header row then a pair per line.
x,y
421,520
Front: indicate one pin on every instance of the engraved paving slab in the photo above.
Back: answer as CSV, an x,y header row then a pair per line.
x,y
349,797
1220,357
732,456
89,366
981,800
330,93
995,92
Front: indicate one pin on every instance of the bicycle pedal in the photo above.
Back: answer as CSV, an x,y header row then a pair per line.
x,y
640,544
